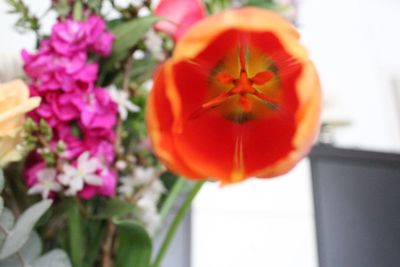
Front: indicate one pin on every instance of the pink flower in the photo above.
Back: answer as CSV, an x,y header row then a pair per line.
x,y
180,15
101,149
81,115
103,44
68,37
62,106
32,170
99,40
98,111
108,187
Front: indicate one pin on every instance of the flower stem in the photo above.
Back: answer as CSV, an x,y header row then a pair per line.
x,y
107,260
172,196
176,222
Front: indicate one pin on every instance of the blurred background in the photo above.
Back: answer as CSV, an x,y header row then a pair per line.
x,y
355,45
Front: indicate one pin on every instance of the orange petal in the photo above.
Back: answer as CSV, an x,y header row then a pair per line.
x,y
159,124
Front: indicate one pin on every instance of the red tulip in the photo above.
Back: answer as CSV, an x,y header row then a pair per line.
x,y
180,15
238,98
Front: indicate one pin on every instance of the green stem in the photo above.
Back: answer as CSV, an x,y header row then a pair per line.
x,y
176,222
77,12
172,196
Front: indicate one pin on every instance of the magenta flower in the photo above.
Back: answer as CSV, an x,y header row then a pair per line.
x,y
99,40
103,45
108,187
81,115
97,110
69,37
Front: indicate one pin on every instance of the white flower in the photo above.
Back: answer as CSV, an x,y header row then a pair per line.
x,y
141,176
147,85
144,179
127,187
84,172
125,4
122,99
46,183
148,214
147,204
154,191
154,44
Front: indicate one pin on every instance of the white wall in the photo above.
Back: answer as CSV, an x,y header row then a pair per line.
x,y
13,41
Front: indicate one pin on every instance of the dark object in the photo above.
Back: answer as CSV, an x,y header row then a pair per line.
x,y
357,207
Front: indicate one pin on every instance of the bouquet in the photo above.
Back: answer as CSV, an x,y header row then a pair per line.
x,y
125,108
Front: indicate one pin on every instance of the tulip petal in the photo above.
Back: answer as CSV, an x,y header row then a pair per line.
x,y
180,15
159,124
242,98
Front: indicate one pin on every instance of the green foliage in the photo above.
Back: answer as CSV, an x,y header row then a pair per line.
x,y
134,245
128,34
215,6
77,11
269,4
18,236
20,246
114,207
26,21
76,235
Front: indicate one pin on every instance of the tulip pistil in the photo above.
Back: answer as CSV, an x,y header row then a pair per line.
x,y
242,86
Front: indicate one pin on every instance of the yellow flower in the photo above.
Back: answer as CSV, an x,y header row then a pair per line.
x,y
14,104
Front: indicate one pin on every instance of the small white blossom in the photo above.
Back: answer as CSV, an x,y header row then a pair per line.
x,y
85,172
125,4
46,183
127,187
144,178
144,12
141,176
148,214
139,55
121,165
122,99
154,191
147,204
154,44
147,85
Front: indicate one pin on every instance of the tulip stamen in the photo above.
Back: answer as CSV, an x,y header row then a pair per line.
x,y
243,86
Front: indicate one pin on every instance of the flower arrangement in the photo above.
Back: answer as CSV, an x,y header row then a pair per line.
x,y
116,108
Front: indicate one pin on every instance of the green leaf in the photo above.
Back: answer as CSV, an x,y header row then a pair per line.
x,y
17,237
77,10
115,207
127,34
95,233
134,245
1,180
29,252
269,4
7,221
75,235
